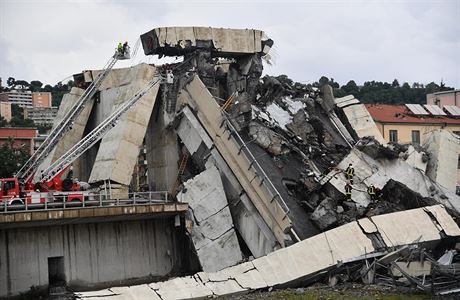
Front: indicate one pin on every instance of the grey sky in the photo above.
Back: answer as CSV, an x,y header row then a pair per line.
x,y
361,40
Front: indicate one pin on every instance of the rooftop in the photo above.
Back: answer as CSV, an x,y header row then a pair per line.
x,y
387,113
446,92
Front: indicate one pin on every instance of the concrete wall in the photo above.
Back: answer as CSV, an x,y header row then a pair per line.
x,y
119,149
162,151
445,98
5,110
405,133
73,135
405,130
359,117
443,148
93,253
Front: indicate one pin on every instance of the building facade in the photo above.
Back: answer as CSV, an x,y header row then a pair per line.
x,y
41,115
21,98
442,99
22,136
398,124
5,110
41,99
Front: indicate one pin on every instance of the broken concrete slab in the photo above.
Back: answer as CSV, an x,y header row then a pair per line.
x,y
181,288
416,159
359,118
416,226
225,42
379,171
119,149
448,225
292,265
196,95
136,292
443,148
413,268
367,226
72,136
267,139
250,225
325,214
213,235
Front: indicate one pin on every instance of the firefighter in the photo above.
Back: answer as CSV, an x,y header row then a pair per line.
x,y
348,190
372,194
120,48
349,173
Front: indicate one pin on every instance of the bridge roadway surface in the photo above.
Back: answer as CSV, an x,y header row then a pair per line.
x,y
99,209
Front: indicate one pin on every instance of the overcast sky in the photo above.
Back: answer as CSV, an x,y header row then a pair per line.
x,y
360,40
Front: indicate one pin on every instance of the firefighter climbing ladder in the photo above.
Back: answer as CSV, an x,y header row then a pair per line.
x,y
65,125
96,134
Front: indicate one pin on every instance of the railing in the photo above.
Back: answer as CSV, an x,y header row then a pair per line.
x,y
253,163
90,200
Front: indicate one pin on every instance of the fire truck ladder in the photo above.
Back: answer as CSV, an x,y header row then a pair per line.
x,y
28,169
96,134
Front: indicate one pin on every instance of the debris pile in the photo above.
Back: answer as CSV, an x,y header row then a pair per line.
x,y
297,169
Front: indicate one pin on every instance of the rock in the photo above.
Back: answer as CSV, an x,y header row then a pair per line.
x,y
327,94
300,125
339,209
325,214
268,139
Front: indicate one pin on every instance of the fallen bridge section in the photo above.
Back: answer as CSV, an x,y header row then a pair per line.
x,y
175,41
268,202
295,264
248,222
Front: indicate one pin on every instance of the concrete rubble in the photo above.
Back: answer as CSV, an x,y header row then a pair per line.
x,y
261,161
442,147
291,266
212,234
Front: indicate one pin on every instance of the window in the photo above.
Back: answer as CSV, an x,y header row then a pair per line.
x,y
393,136
416,136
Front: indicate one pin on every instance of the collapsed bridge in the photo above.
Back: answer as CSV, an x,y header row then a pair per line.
x,y
259,163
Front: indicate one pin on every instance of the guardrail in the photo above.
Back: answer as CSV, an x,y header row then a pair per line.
x,y
90,200
253,163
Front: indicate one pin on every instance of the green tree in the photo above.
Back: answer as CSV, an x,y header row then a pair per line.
x,y
35,86
3,122
48,88
10,82
18,122
395,83
17,111
24,85
351,88
12,158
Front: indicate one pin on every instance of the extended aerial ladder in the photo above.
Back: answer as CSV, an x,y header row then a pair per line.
x,y
96,134
28,169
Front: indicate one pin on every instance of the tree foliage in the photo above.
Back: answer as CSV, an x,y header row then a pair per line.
x,y
376,91
3,122
12,158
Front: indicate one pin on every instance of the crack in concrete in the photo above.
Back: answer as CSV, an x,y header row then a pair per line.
x,y
436,223
212,239
375,237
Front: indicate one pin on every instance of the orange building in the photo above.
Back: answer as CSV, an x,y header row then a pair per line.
x,y
398,124
22,136
41,99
